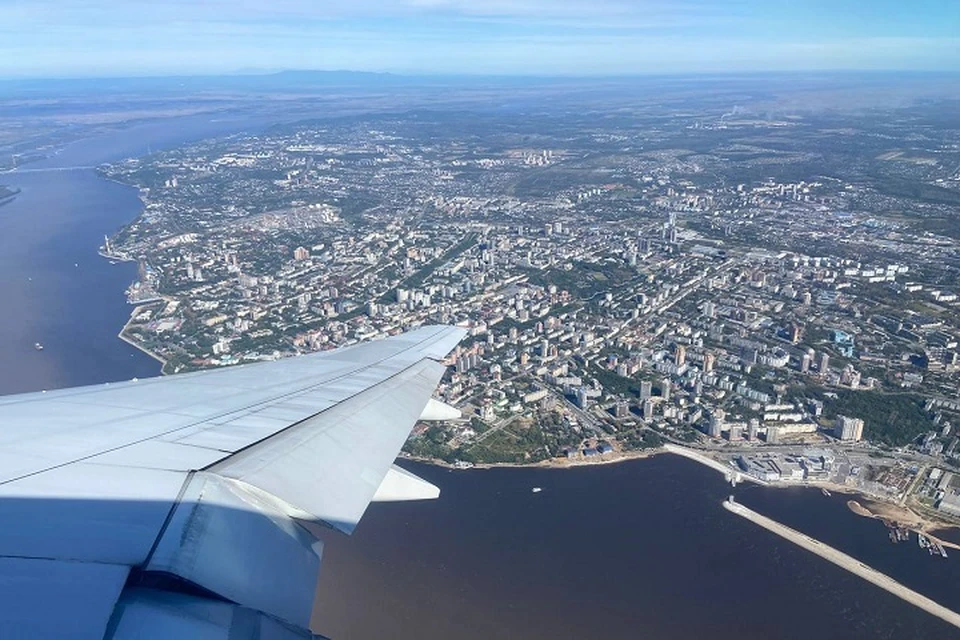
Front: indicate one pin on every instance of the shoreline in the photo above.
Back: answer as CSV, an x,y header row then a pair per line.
x,y
552,463
905,517
133,343
136,308
884,510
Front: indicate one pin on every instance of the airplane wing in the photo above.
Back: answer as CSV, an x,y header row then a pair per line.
x,y
186,506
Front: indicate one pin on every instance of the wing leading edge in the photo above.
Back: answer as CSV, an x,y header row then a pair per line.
x,y
207,513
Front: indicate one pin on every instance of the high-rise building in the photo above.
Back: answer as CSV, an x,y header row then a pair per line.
x,y
848,429
805,363
648,409
301,253
773,435
716,423
646,389
680,355
581,396
824,363
672,235
752,428
665,389
795,332
708,360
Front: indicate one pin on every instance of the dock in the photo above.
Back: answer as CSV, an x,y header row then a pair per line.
x,y
849,563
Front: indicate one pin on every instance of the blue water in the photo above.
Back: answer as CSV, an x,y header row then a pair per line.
x,y
57,291
54,288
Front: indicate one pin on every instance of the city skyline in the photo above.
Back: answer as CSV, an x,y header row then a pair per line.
x,y
53,38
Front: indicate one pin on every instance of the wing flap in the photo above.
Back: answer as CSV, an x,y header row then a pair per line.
x,y
331,465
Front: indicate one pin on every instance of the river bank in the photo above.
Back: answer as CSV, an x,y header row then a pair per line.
x,y
877,507
136,345
552,463
895,515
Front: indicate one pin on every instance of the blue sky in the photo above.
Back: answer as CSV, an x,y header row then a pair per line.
x,y
541,37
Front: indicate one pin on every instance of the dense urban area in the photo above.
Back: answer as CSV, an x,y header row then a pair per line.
x,y
777,289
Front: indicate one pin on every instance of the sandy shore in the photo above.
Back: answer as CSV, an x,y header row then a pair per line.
x,y
901,516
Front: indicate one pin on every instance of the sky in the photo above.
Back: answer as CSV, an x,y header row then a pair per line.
x,y
71,38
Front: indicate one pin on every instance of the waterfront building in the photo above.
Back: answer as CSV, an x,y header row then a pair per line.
x,y
848,429
716,423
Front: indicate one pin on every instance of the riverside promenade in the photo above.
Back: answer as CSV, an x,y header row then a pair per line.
x,y
847,562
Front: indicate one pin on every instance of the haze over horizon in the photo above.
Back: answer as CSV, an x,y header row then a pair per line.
x,y
58,38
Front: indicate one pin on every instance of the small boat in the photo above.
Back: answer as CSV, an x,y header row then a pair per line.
x,y
825,492
38,346
536,490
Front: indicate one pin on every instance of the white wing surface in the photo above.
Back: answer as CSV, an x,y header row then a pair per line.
x,y
183,506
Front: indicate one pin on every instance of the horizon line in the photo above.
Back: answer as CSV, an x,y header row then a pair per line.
x,y
466,75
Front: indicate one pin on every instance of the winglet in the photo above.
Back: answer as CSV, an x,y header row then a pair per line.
x,y
438,411
399,485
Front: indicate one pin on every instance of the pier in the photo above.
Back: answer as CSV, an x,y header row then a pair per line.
x,y
730,474
849,563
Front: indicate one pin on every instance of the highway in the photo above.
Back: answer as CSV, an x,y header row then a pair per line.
x,y
849,563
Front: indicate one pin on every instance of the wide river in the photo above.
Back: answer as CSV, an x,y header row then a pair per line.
x,y
634,550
